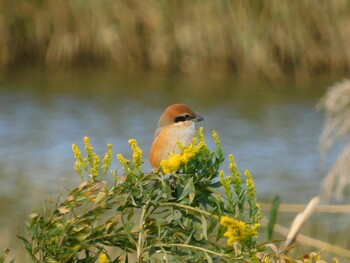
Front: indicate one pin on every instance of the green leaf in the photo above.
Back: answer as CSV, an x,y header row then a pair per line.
x,y
187,241
221,232
208,258
204,227
273,217
189,191
216,184
28,248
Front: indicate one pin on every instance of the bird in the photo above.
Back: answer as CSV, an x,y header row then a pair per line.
x,y
177,123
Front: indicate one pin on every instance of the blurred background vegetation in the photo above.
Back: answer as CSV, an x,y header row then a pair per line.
x,y
274,39
255,71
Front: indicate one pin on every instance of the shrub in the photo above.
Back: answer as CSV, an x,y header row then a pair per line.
x,y
195,214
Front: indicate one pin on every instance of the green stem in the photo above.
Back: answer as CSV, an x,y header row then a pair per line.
x,y
141,240
200,211
135,185
192,247
131,238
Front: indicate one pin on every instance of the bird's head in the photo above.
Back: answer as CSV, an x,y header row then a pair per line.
x,y
178,114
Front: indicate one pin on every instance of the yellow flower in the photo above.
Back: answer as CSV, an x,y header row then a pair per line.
x,y
103,258
238,231
107,159
250,184
216,139
89,149
226,183
233,165
235,175
222,177
201,134
315,256
137,155
95,165
176,160
76,151
188,153
79,159
122,160
172,164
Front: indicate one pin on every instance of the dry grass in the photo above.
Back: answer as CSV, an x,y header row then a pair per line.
x,y
302,223
336,104
268,38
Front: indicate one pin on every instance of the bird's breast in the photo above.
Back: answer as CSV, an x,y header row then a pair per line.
x,y
166,142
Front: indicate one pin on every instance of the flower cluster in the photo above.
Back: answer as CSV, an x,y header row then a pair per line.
x,y
236,175
226,183
123,161
137,153
136,156
91,163
79,160
217,141
107,160
103,258
187,153
238,231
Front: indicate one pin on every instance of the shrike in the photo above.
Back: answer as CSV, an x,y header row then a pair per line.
x,y
175,124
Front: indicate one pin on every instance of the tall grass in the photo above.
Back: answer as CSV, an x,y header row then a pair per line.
x,y
270,38
336,105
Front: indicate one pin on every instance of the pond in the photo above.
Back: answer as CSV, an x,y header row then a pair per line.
x,y
271,128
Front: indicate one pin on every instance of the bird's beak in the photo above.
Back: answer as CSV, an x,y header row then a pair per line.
x,y
197,118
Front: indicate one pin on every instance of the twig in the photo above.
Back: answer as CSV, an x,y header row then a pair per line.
x,y
299,220
293,208
314,242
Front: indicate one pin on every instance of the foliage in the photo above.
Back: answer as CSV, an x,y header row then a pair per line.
x,y
273,217
194,214
150,216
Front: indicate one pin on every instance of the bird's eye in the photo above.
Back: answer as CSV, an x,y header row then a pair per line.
x,y
185,117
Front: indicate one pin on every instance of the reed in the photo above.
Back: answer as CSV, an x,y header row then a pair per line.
x,y
253,38
336,105
301,219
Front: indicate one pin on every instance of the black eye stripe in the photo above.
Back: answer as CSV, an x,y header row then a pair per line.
x,y
185,117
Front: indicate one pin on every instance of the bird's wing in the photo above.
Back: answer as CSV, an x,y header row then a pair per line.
x,y
157,132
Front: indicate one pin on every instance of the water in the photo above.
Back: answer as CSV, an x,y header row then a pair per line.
x,y
272,129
